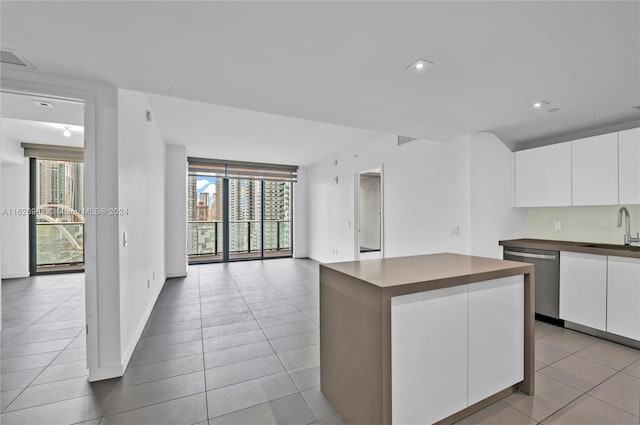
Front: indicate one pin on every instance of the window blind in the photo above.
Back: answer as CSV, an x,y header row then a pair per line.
x,y
238,169
53,152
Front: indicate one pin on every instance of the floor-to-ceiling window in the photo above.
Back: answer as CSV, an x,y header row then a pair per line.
x,y
57,221
239,210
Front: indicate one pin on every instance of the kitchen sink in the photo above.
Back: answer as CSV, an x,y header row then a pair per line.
x,y
612,246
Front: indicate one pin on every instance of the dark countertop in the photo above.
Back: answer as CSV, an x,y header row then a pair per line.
x,y
455,269
583,247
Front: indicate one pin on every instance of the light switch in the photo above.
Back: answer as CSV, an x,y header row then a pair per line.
x,y
557,225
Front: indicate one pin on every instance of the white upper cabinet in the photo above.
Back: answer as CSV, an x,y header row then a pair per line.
x,y
629,163
543,176
594,165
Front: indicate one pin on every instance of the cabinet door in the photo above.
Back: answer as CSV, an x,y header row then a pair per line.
x,y
623,297
594,164
496,336
543,176
629,163
583,289
428,355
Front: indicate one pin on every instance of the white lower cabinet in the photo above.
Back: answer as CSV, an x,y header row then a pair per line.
x,y
455,346
623,297
583,289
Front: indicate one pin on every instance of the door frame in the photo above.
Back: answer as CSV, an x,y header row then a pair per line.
x,y
88,98
356,215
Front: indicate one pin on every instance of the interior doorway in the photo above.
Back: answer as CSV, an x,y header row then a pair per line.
x,y
369,236
43,193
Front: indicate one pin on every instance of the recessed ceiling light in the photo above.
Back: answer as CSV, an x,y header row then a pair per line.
x,y
420,65
43,103
540,104
66,132
553,110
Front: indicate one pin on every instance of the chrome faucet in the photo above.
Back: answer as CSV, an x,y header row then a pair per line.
x,y
627,226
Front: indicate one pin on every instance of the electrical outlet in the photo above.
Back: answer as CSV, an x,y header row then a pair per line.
x,y
455,231
557,225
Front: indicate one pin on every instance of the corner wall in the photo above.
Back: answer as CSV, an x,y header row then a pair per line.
x,y
141,194
493,217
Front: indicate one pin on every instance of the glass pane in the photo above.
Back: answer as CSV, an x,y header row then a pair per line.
x,y
59,208
277,218
204,215
245,207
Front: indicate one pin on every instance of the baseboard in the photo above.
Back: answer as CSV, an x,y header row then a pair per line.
x,y
105,372
15,275
178,274
126,357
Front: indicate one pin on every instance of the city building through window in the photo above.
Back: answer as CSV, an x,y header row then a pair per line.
x,y
239,210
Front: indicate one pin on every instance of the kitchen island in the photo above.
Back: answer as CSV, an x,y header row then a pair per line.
x,y
424,339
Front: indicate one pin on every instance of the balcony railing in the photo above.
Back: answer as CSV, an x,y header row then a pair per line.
x,y
205,238
59,243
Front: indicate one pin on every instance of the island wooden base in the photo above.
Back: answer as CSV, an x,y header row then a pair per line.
x,y
355,339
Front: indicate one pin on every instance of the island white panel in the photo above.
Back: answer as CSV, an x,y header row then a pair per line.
x,y
496,336
429,355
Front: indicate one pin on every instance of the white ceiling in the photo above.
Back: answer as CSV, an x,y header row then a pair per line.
x,y
344,62
214,131
23,121
22,107
42,133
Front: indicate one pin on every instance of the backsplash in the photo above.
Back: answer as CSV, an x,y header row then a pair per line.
x,y
580,224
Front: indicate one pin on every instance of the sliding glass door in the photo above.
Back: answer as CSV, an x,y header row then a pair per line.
x,y
278,218
245,218
239,212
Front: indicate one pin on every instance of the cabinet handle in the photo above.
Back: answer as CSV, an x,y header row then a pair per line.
x,y
529,255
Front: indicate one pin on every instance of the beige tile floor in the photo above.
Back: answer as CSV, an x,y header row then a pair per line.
x,y
239,344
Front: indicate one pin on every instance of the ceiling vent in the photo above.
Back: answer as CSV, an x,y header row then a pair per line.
x,y
11,57
405,139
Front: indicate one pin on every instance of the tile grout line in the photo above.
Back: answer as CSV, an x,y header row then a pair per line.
x,y
43,369
204,366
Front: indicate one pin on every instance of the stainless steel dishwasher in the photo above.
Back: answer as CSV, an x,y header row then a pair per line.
x,y
547,277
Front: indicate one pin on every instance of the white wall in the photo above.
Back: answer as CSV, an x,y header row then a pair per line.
x,y
430,188
492,214
176,211
141,192
301,215
15,228
426,194
11,151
